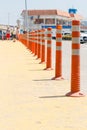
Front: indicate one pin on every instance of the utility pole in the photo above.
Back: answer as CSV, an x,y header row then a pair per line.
x,y
8,19
26,16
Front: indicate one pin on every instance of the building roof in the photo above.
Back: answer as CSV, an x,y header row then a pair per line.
x,y
47,12
53,12
63,13
76,16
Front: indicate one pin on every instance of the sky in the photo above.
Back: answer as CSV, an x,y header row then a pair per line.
x,y
10,10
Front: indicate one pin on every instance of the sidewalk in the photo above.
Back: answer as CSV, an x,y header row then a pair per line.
x,y
30,100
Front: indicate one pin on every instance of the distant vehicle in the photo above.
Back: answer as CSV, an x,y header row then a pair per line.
x,y
66,36
83,37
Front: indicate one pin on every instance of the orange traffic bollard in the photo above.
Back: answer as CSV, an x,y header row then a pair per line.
x,y
43,46
30,39
38,45
27,40
33,43
58,63
75,66
49,50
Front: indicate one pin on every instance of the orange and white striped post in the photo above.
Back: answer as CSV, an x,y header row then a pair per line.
x,y
49,49
43,46
75,62
33,42
30,41
58,63
38,45
27,41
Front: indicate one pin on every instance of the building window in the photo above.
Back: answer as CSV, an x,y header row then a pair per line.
x,y
59,21
38,21
49,21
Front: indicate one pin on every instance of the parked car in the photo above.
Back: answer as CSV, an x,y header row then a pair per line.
x,y
83,37
66,36
53,33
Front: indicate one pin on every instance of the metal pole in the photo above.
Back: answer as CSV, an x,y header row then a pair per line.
x,y
8,18
26,16
26,21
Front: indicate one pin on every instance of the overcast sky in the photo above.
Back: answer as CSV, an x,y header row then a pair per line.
x,y
10,10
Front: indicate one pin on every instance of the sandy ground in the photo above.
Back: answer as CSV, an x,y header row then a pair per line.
x,y
30,100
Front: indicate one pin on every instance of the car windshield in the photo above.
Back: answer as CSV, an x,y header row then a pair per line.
x,y
84,32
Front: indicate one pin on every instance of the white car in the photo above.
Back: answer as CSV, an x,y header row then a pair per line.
x,y
54,33
83,37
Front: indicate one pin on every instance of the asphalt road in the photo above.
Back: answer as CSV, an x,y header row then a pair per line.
x,y
66,62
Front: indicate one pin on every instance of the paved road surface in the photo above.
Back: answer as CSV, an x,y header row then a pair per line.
x,y
66,63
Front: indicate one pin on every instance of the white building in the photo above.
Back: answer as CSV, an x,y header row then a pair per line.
x,y
48,18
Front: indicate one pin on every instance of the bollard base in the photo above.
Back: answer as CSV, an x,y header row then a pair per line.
x,y
48,69
76,94
42,62
34,55
37,58
27,48
57,78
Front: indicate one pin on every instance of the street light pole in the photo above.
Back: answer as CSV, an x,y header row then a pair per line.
x,y
8,18
26,20
26,16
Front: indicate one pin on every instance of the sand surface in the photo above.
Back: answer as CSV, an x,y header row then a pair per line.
x,y
30,100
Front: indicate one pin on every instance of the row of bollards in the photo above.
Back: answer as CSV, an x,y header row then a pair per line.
x,y
35,42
